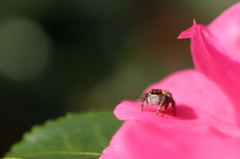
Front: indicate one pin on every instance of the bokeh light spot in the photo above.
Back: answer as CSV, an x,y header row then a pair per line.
x,y
24,49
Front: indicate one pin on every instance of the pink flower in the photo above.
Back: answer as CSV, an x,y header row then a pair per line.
x,y
207,101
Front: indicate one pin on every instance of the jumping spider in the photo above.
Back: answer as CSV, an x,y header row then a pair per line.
x,y
158,97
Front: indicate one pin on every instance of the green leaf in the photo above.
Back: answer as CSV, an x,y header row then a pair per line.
x,y
75,136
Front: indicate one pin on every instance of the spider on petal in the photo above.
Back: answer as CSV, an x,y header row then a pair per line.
x,y
158,97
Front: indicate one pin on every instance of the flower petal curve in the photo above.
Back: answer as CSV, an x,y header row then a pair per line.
x,y
199,101
116,148
225,30
140,140
215,50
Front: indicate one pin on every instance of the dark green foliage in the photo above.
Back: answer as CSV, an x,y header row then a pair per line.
x,y
77,135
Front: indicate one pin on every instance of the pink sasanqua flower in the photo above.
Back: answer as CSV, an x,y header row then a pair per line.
x,y
207,98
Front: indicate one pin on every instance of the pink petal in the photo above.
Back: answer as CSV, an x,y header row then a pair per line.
x,y
116,149
199,101
142,141
187,33
225,31
215,50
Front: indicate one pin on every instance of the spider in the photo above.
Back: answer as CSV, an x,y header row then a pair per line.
x,y
158,97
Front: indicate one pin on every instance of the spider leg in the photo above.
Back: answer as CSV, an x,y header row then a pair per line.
x,y
165,108
163,100
142,99
174,107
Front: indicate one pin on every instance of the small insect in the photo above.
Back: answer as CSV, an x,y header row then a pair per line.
x,y
158,97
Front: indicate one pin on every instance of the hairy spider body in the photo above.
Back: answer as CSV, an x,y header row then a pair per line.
x,y
158,97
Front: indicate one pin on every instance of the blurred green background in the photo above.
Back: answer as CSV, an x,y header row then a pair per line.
x,y
58,56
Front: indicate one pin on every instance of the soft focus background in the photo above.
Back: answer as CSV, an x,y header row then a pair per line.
x,y
58,56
